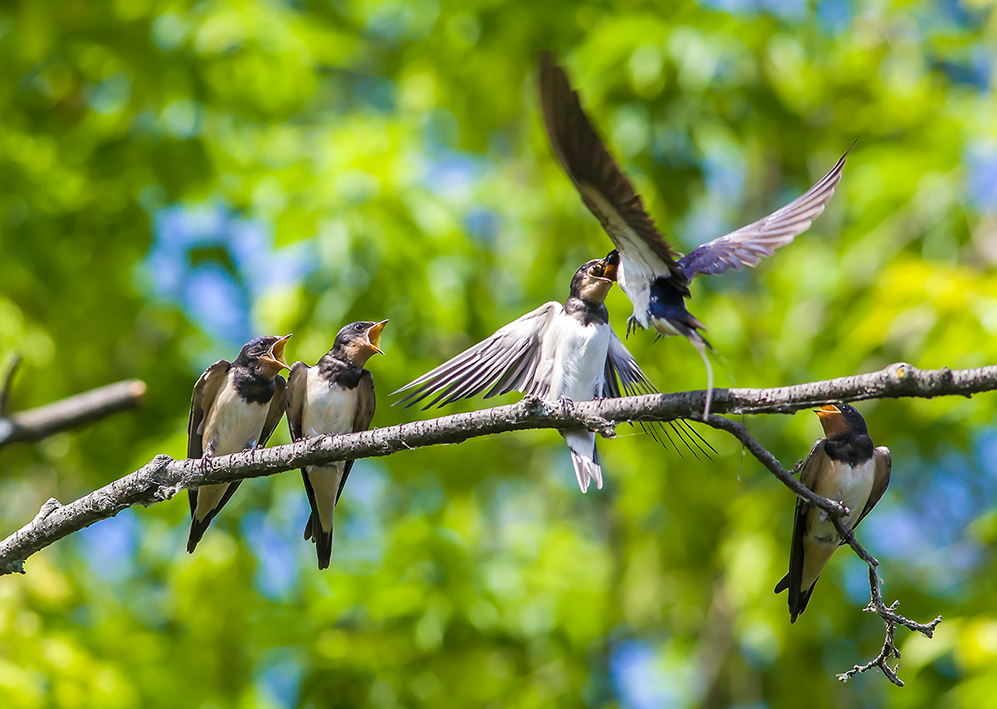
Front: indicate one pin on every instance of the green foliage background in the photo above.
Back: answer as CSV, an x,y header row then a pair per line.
x,y
400,145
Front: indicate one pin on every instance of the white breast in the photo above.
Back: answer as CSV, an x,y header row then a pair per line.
x,y
577,358
328,408
233,425
849,485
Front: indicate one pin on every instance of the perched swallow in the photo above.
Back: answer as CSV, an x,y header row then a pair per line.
x,y
335,396
554,352
235,406
845,467
653,276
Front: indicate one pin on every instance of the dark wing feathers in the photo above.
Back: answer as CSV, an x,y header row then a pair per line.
x,y
361,422
799,597
506,361
294,398
623,375
884,466
750,244
205,390
275,412
604,188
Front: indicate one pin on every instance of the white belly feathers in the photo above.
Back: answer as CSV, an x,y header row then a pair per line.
x,y
232,427
328,408
578,363
851,487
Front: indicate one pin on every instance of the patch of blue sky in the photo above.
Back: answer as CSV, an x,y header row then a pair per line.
x,y
277,677
109,548
725,172
795,10
214,264
278,570
981,176
643,678
361,535
834,15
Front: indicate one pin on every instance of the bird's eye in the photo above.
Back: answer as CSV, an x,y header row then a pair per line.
x,y
358,327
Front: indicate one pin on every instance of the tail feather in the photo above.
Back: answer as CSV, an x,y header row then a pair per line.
x,y
322,539
197,530
584,458
798,601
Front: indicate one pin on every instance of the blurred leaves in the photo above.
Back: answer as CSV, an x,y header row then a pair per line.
x,y
292,166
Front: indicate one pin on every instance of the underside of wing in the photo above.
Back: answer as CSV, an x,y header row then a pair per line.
x,y
507,361
603,187
750,244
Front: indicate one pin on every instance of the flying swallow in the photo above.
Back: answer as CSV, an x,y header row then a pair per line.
x,y
653,276
235,407
555,352
845,467
335,396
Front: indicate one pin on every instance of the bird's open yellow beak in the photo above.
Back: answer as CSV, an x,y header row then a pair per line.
x,y
277,351
374,335
827,411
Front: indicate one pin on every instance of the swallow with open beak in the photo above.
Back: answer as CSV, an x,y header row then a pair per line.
x,y
845,467
236,406
335,396
555,352
653,276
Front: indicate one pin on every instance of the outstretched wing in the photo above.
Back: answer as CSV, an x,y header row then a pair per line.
x,y
507,361
625,377
205,390
604,188
750,244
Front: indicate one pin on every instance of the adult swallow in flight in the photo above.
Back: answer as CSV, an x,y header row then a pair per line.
x,y
235,406
335,396
653,276
845,467
554,352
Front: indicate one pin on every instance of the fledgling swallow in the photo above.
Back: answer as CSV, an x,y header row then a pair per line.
x,y
653,276
333,397
236,406
845,467
554,352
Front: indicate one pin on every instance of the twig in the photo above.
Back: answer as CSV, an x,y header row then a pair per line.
x,y
8,378
835,512
93,405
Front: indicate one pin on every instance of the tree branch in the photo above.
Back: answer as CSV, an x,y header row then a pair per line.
x,y
93,405
163,477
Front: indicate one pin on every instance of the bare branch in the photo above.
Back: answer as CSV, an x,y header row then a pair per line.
x,y
163,477
835,512
93,405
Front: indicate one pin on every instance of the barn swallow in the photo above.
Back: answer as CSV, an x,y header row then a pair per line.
x,y
554,352
235,407
845,467
335,396
652,274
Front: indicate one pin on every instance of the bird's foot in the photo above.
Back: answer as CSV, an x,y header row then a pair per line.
x,y
204,463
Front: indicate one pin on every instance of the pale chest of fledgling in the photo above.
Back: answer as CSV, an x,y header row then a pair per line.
x,y
578,358
849,485
233,424
328,407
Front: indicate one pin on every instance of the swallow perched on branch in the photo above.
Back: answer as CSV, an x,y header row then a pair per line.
x,y
235,406
555,352
333,397
653,276
844,467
